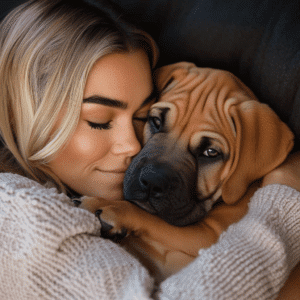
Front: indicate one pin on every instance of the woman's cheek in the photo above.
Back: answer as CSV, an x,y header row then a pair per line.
x,y
89,144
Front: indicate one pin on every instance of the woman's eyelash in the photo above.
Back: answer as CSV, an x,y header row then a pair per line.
x,y
100,126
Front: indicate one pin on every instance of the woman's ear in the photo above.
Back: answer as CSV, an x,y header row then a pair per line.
x,y
263,142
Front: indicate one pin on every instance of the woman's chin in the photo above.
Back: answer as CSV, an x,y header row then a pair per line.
x,y
109,191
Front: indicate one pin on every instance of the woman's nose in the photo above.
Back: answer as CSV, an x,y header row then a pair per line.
x,y
126,142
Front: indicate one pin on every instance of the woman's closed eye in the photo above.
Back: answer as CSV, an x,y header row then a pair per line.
x,y
100,126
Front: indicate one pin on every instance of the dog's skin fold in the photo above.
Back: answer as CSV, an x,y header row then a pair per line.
x,y
207,139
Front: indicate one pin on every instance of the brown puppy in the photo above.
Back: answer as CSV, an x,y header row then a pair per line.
x,y
207,140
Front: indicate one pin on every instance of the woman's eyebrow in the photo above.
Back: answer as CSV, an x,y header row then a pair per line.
x,y
117,103
106,101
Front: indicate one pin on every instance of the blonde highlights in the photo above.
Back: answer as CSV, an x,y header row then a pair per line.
x,y
47,48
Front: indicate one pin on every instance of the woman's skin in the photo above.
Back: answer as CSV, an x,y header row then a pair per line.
x,y
117,97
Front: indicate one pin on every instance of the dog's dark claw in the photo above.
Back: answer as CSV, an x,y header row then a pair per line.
x,y
98,213
76,202
105,230
118,237
115,237
105,227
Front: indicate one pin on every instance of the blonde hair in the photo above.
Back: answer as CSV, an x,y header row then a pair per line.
x,y
47,48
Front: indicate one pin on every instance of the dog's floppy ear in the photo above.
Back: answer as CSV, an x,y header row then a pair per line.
x,y
263,142
166,77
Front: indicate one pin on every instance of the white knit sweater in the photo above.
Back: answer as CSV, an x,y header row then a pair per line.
x,y
50,249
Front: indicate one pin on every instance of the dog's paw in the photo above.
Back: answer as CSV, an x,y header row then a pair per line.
x,y
117,218
111,226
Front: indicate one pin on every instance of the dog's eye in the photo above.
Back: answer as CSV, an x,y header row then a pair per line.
x,y
210,152
155,123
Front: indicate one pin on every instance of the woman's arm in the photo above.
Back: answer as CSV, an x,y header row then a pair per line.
x,y
288,173
50,249
252,259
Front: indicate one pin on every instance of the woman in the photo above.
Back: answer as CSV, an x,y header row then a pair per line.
x,y
75,89
52,57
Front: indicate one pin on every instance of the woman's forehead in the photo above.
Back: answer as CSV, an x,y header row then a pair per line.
x,y
119,79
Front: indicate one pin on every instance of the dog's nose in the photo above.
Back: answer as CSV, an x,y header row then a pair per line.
x,y
156,180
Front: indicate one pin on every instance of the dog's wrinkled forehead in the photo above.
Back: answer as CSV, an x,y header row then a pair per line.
x,y
191,93
214,103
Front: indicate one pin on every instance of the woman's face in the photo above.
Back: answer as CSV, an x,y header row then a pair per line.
x,y
118,93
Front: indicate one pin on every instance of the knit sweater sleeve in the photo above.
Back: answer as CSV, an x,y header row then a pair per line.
x,y
252,259
50,249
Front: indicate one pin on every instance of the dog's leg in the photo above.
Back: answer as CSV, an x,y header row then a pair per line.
x,y
117,216
120,218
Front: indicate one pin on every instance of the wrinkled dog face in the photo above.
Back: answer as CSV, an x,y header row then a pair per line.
x,y
207,137
174,175
179,172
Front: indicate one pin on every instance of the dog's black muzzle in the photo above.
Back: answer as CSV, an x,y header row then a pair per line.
x,y
164,187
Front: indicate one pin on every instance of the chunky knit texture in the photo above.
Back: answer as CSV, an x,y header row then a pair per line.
x,y
252,259
50,249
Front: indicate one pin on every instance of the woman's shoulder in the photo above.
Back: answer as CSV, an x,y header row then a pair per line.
x,y
11,179
14,186
11,183
21,197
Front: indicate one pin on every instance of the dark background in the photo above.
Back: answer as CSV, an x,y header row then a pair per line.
x,y
257,40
